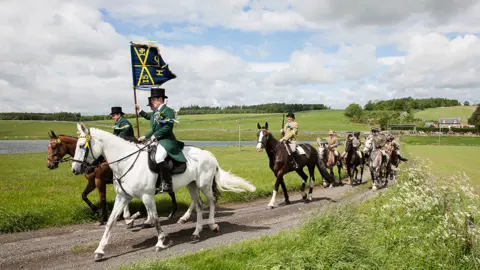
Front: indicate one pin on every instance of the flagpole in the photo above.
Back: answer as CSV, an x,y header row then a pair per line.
x,y
136,111
134,89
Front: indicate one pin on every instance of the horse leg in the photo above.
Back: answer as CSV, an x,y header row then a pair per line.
x,y
285,193
174,205
118,206
89,188
193,190
149,202
311,171
102,194
304,182
271,204
208,192
340,174
187,214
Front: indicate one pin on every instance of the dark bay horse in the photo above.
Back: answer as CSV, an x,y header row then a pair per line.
x,y
280,163
352,161
62,145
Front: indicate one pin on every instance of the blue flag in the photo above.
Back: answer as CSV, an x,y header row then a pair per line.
x,y
148,66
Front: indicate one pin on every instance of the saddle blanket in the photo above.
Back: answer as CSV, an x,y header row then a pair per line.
x,y
300,150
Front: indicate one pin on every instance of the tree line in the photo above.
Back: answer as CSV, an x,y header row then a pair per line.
x,y
261,108
408,104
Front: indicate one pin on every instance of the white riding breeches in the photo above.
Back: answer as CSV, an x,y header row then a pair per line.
x,y
161,154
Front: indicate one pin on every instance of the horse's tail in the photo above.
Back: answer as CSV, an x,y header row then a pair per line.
x,y
230,182
323,170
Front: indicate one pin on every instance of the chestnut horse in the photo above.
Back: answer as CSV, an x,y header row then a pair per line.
x,y
61,145
281,163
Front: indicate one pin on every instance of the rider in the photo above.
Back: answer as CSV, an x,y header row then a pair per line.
x,y
289,133
396,147
379,140
162,122
122,127
332,141
344,154
144,114
356,143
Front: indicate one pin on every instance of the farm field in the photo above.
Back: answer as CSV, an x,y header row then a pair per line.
x,y
442,141
463,112
33,197
199,127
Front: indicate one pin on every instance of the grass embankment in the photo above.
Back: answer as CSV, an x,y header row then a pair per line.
x,y
220,127
442,140
417,224
434,114
33,197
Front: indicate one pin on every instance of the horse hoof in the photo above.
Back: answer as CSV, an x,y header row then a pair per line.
x,y
98,257
304,197
181,221
216,229
100,223
171,216
287,202
146,225
130,225
195,237
270,207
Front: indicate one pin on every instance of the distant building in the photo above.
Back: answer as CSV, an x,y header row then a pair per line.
x,y
449,123
402,127
429,124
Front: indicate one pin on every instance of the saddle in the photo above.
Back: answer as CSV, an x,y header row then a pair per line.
x,y
175,166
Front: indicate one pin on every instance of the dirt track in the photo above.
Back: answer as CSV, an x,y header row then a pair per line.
x,y
72,247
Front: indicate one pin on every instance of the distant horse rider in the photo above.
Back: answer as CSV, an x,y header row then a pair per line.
x,y
162,122
379,140
396,147
289,133
332,141
122,128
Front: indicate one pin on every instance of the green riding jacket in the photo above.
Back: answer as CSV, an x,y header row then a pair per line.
x,y
123,128
162,129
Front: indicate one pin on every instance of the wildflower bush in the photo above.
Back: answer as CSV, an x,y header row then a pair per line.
x,y
422,222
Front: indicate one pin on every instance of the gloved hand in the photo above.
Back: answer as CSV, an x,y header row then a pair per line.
x,y
141,139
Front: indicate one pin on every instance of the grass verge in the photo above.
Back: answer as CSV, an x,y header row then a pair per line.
x,y
420,223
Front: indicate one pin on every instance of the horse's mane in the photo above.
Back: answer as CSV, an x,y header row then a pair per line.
x,y
68,136
129,140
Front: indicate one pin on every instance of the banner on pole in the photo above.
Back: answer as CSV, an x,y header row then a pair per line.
x,y
148,67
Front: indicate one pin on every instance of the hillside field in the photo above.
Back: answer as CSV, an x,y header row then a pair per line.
x,y
221,127
463,112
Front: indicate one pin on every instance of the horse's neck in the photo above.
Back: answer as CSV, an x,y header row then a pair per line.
x,y
115,148
271,147
71,144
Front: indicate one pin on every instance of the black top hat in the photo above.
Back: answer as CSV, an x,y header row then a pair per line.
x,y
157,92
149,102
117,110
291,114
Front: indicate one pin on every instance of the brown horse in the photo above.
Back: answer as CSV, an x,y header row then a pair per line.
x,y
280,162
328,157
61,145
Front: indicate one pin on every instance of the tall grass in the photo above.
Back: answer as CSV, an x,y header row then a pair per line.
x,y
420,223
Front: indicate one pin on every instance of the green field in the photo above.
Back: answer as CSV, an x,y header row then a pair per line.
x,y
442,140
463,112
219,127
449,160
32,196
410,226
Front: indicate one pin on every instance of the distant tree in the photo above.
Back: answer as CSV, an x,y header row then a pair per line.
x,y
354,111
466,103
475,118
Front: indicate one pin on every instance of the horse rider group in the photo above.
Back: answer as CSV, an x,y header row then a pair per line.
x,y
161,123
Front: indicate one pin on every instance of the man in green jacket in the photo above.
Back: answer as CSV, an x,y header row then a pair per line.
x,y
144,114
162,122
122,127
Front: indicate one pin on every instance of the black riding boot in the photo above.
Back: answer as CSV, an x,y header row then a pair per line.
x,y
166,178
294,161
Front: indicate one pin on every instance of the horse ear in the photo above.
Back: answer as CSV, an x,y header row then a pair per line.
x,y
258,126
53,134
82,128
266,125
319,142
50,135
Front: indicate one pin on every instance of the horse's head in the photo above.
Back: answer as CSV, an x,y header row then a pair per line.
x,y
322,145
56,151
87,151
262,136
368,144
348,145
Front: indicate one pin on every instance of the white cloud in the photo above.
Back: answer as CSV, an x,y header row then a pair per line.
x,y
67,58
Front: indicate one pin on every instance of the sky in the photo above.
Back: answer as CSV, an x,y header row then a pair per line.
x,y
66,55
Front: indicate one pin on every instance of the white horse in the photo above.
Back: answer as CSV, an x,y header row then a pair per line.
x,y
137,180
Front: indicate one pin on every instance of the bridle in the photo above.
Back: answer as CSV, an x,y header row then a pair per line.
x,y
84,164
54,158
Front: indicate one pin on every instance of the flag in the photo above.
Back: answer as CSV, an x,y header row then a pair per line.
x,y
148,66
